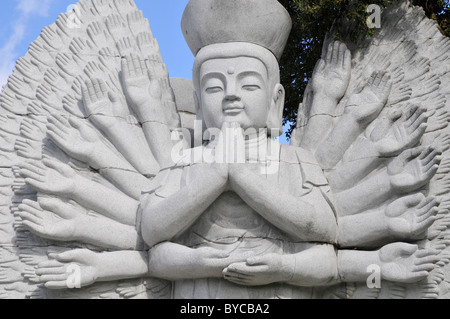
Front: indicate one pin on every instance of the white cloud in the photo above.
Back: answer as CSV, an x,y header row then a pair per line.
x,y
8,55
35,7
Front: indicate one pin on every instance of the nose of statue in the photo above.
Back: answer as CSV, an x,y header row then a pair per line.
x,y
231,93
232,98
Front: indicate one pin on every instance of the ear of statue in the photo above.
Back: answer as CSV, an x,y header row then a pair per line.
x,y
197,105
200,128
275,118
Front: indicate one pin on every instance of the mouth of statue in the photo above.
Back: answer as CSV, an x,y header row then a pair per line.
x,y
233,109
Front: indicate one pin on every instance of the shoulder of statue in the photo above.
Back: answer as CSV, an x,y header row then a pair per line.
x,y
311,171
165,180
295,154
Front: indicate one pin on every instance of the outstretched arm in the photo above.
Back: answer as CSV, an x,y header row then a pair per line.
x,y
145,87
91,267
313,267
176,262
408,172
398,262
56,178
68,222
406,219
165,261
323,266
335,68
78,139
388,137
361,109
101,107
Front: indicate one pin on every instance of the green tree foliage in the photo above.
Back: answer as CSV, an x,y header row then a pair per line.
x,y
312,19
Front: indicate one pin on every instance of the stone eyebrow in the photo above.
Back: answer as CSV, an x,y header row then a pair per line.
x,y
251,73
210,75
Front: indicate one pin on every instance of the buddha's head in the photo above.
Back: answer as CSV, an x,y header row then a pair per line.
x,y
238,82
237,44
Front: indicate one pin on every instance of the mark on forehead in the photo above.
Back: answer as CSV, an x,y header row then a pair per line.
x,y
231,70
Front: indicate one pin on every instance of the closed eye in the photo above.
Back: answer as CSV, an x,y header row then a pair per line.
x,y
251,87
214,89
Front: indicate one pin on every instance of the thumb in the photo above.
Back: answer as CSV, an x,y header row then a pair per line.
x,y
68,256
407,249
257,260
320,65
394,115
221,255
410,154
113,97
118,107
74,123
151,73
53,164
414,200
48,203
56,206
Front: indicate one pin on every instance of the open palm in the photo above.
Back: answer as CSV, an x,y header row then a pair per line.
x,y
406,263
51,219
413,168
403,133
75,137
58,274
142,87
52,178
409,217
367,105
334,69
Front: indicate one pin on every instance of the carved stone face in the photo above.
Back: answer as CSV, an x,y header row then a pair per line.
x,y
235,90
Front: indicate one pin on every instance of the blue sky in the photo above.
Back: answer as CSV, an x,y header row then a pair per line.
x,y
23,20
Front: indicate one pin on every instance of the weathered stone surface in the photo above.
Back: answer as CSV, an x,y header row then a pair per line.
x,y
118,182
